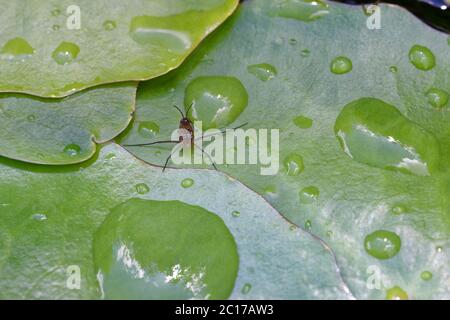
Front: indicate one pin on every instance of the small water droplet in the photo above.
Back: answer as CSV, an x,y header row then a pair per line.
x,y
72,149
16,49
187,183
382,244
375,133
263,71
55,27
110,156
157,153
305,53
270,191
235,213
31,117
217,101
308,225
56,12
292,41
148,129
426,275
399,209
437,98
396,293
393,69
341,65
439,249
65,53
109,25
422,58
246,288
39,217
303,122
304,10
142,188
293,227
329,233
293,164
309,194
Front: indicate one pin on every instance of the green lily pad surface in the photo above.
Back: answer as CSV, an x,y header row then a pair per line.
x,y
115,227
364,124
63,131
54,48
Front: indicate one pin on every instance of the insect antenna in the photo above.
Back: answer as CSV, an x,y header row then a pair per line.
x,y
176,107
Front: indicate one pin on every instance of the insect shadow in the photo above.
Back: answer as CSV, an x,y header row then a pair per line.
x,y
186,136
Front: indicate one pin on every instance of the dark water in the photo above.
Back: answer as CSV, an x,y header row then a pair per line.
x,y
436,13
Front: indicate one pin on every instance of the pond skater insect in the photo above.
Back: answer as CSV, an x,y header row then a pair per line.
x,y
186,136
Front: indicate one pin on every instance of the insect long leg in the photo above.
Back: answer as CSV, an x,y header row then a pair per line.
x,y
223,130
209,156
170,156
149,144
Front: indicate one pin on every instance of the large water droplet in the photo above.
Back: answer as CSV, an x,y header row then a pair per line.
x,y
72,149
396,293
16,49
216,101
382,244
422,58
303,122
437,98
304,10
293,164
187,183
309,194
148,129
65,53
263,71
375,133
341,65
156,32
164,250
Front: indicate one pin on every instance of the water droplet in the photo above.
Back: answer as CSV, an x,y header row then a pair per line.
x,y
308,225
65,53
157,153
270,191
329,233
140,252
396,293
309,194
393,69
263,71
437,98
439,249
305,53
293,227
373,132
17,48
422,58
426,275
303,122
109,25
341,65
216,101
153,31
382,244
39,217
142,188
235,214
246,288
72,150
399,209
55,27
56,12
110,156
187,183
304,10
31,117
293,164
148,129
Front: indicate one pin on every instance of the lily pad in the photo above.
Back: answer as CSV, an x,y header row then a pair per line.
x,y
116,223
55,48
66,130
363,153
